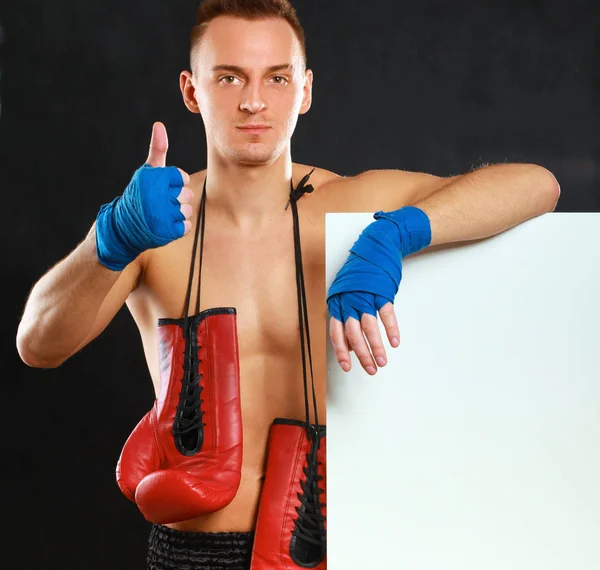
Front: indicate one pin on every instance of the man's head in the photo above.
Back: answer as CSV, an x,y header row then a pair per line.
x,y
248,67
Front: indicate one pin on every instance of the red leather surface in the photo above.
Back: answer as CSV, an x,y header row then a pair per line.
x,y
288,447
167,485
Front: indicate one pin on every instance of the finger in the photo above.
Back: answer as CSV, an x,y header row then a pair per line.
x,y
186,210
175,177
338,341
370,327
390,323
184,175
359,344
186,196
159,144
187,226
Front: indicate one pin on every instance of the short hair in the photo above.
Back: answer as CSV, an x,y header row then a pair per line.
x,y
208,10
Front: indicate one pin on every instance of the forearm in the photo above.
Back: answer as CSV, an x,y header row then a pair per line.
x,y
62,306
488,201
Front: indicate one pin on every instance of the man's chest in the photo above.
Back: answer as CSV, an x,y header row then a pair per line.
x,y
254,273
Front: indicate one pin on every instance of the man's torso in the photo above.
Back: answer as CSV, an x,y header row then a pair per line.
x,y
255,273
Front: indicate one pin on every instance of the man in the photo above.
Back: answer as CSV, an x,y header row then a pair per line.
x,y
249,82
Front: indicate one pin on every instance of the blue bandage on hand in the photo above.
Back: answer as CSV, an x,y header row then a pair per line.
x,y
147,215
371,276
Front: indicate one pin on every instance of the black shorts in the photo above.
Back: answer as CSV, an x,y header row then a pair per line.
x,y
170,549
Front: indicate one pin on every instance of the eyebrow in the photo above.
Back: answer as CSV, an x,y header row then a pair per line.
x,y
242,71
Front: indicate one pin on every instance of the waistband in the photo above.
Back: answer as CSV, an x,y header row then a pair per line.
x,y
170,549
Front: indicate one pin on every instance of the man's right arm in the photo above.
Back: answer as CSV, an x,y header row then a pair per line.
x,y
71,305
74,301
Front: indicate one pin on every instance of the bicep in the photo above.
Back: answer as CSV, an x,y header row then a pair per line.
x,y
385,190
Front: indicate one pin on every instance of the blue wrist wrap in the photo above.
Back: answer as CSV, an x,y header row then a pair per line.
x,y
146,216
371,276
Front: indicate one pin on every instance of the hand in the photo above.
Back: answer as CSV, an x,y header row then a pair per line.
x,y
157,157
153,211
370,350
368,282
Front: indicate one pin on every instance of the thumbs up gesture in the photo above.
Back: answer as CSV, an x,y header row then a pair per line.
x,y
153,211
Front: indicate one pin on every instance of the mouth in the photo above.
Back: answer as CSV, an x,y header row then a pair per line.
x,y
254,129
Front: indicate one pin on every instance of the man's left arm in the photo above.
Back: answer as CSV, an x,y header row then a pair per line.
x,y
488,201
471,206
465,207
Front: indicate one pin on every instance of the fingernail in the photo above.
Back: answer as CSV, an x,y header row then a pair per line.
x,y
395,341
380,361
345,366
370,369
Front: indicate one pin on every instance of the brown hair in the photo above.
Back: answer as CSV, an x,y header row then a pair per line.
x,y
248,9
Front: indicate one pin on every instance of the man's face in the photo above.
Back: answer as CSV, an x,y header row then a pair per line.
x,y
250,73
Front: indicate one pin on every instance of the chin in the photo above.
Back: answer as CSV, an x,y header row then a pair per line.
x,y
253,157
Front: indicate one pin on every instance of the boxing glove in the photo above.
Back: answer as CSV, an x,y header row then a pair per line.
x,y
184,458
291,524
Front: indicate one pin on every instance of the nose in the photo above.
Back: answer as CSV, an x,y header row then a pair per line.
x,y
253,100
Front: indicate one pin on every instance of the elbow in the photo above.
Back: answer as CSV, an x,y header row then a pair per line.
x,y
34,361
32,358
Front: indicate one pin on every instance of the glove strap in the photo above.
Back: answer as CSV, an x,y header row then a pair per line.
x,y
309,532
201,223
295,195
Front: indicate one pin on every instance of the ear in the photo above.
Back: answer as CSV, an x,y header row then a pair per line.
x,y
307,92
188,91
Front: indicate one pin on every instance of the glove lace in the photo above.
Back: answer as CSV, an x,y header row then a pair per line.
x,y
310,524
188,418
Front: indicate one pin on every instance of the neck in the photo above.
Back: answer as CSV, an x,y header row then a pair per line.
x,y
248,195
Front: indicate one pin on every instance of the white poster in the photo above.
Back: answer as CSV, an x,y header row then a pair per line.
x,y
478,446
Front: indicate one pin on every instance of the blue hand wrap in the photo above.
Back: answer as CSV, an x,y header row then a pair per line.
x,y
146,216
371,276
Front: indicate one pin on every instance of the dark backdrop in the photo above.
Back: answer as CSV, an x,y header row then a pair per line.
x,y
430,86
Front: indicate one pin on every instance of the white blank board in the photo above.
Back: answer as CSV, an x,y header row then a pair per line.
x,y
478,446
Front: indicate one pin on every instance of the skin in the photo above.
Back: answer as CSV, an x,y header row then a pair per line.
x,y
248,251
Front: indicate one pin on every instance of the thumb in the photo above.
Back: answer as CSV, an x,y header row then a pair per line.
x,y
159,144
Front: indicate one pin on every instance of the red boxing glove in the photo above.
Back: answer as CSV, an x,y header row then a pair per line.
x,y
184,458
291,526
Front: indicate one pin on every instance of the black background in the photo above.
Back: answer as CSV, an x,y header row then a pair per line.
x,y
432,86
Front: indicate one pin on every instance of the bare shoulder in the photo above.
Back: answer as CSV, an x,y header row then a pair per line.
x,y
319,177
374,190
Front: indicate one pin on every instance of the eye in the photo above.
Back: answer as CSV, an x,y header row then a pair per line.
x,y
280,80
227,78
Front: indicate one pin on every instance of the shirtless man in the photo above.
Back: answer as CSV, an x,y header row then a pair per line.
x,y
248,68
